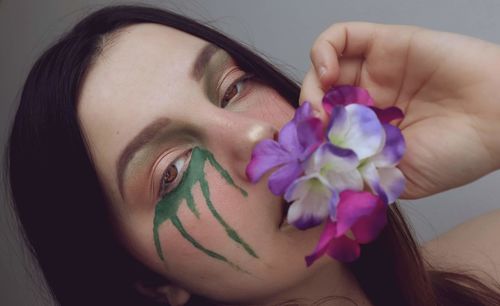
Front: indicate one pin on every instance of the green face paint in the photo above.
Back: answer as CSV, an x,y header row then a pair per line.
x,y
167,208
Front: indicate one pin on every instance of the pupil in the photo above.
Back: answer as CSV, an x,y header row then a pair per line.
x,y
231,94
171,174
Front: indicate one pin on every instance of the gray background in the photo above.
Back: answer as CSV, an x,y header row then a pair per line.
x,y
281,30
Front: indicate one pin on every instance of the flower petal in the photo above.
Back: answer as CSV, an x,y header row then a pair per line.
x,y
310,136
289,140
324,240
365,135
392,182
335,158
363,132
367,228
338,125
352,206
284,177
311,196
266,155
372,178
387,183
344,249
386,115
304,112
337,165
344,95
332,205
393,150
348,180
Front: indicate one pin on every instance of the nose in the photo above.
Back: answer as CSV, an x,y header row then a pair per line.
x,y
233,136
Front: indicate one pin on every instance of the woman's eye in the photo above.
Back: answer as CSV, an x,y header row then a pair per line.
x,y
172,175
235,90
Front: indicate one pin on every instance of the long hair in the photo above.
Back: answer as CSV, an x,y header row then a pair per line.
x,y
63,209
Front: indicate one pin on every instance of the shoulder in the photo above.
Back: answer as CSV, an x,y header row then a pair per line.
x,y
473,246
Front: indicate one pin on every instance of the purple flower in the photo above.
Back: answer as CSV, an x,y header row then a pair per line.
x,y
357,128
324,174
380,172
364,129
297,140
314,196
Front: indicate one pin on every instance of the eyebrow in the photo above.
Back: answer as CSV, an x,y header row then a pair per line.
x,y
151,131
144,137
202,60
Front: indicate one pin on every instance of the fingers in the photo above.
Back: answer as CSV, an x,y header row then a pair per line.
x,y
324,58
333,59
312,92
353,39
373,56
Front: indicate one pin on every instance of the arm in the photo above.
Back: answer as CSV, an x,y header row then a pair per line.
x,y
473,246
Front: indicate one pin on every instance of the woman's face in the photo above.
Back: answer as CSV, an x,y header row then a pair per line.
x,y
170,123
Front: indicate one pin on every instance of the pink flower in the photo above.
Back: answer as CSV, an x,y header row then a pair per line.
x,y
347,94
361,213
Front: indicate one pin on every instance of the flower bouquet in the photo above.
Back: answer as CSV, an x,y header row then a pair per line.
x,y
343,174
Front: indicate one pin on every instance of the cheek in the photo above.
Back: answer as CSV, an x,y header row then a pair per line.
x,y
267,105
205,231
207,219
212,221
221,238
201,250
276,109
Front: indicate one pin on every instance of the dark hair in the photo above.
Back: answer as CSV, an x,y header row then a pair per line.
x,y
62,206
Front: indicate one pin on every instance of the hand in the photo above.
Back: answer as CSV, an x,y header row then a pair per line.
x,y
447,85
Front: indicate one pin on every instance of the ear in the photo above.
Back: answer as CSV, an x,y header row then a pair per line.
x,y
171,293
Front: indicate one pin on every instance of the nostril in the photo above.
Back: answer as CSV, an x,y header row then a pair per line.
x,y
275,135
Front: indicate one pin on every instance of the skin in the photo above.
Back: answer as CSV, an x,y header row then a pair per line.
x,y
145,73
168,206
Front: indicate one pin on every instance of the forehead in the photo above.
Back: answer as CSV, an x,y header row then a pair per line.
x,y
138,76
140,61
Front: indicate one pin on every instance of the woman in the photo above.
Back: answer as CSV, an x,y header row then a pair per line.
x,y
133,99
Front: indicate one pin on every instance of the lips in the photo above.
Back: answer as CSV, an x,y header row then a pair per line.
x,y
284,212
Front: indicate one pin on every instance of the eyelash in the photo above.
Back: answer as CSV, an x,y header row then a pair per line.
x,y
166,187
234,84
